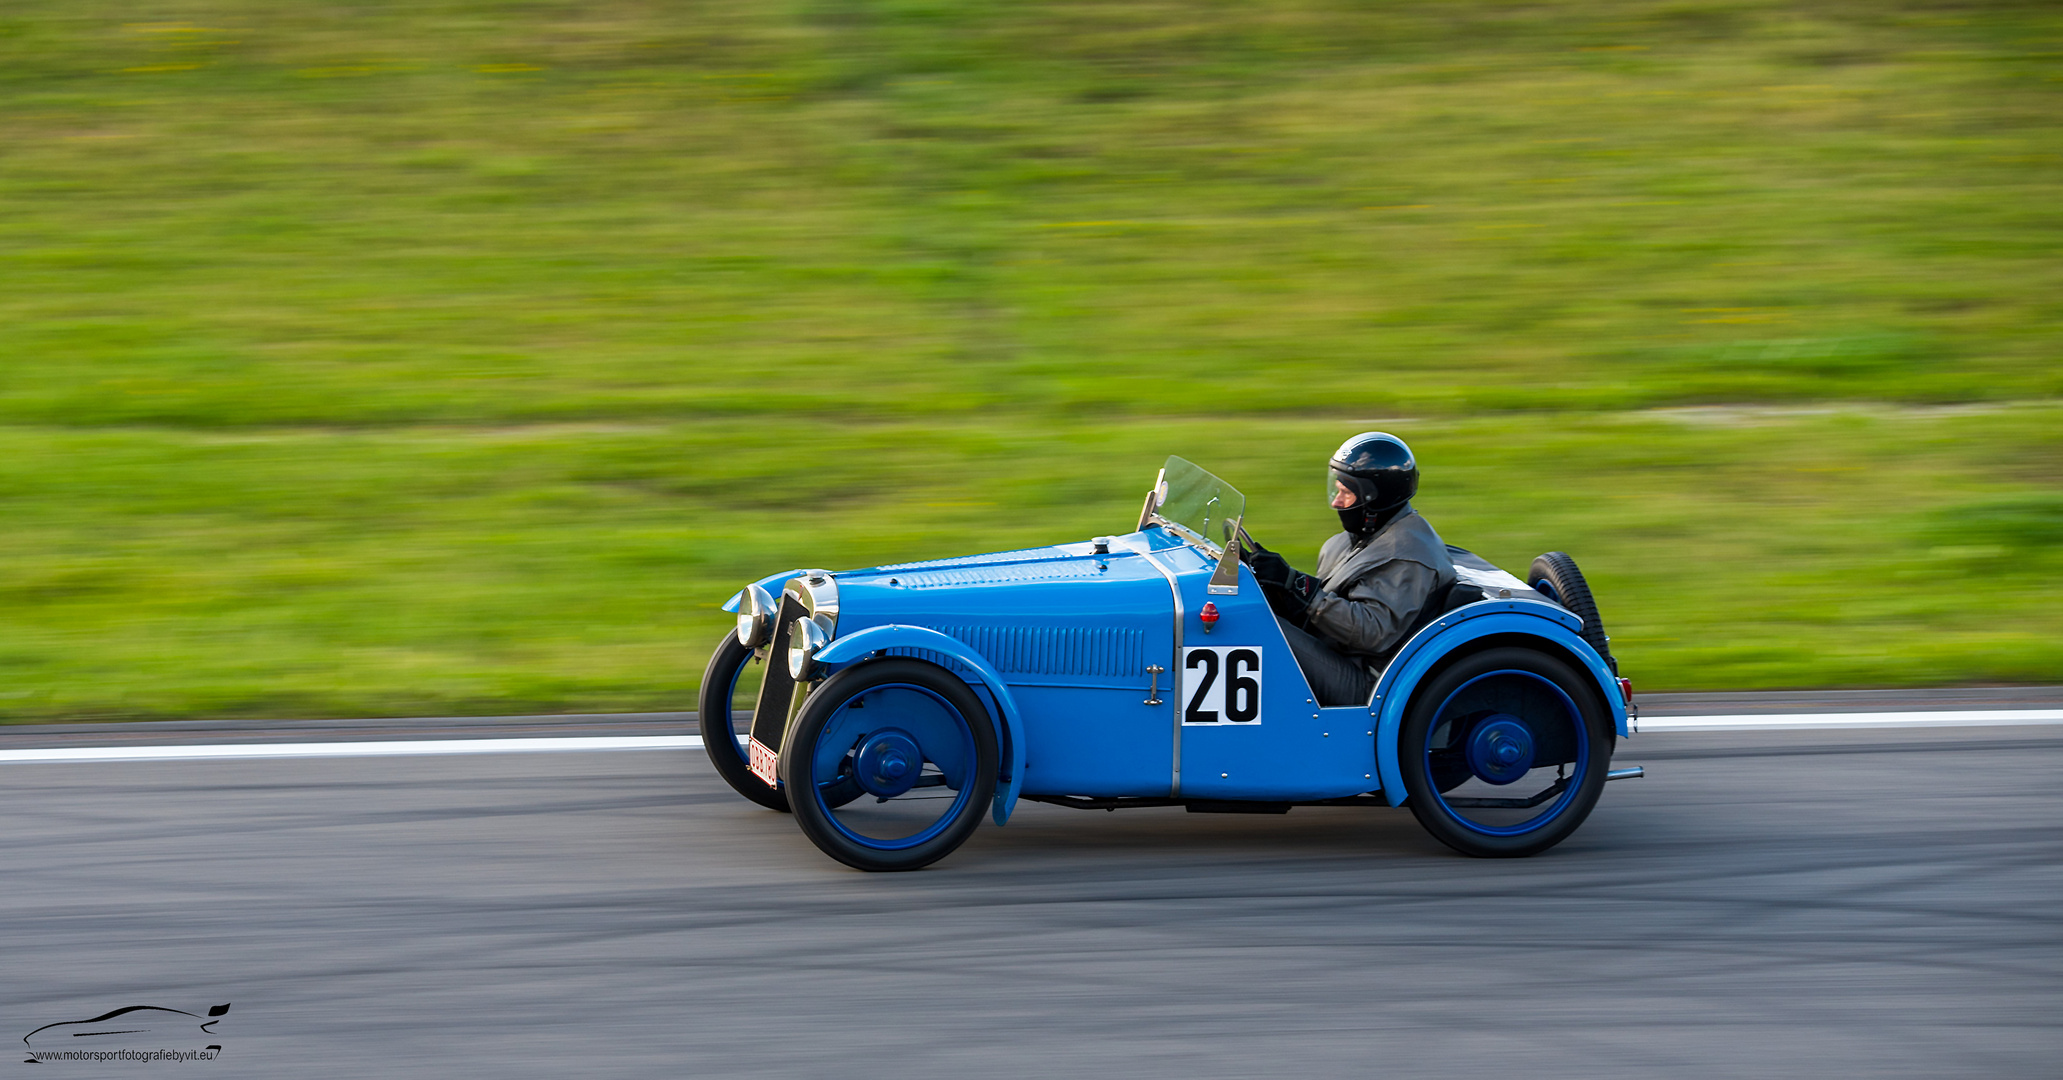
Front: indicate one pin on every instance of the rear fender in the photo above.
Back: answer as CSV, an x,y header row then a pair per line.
x,y
1432,645
1009,726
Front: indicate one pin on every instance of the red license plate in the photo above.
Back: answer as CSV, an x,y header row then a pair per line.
x,y
765,763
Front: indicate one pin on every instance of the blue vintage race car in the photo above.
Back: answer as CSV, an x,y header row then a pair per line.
x,y
890,708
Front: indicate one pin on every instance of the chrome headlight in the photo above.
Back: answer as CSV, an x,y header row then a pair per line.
x,y
755,617
803,642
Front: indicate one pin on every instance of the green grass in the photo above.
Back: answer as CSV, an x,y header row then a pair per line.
x,y
153,572
462,356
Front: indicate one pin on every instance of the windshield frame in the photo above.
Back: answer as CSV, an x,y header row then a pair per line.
x,y
1188,474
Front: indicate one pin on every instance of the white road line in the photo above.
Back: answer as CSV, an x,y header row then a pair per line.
x,y
395,748
1808,721
573,744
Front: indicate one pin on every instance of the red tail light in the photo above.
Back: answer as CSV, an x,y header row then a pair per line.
x,y
1626,691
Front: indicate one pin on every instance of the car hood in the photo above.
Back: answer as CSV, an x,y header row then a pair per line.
x,y
1060,562
1068,589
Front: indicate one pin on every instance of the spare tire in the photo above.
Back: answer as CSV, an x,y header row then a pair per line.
x,y
1555,576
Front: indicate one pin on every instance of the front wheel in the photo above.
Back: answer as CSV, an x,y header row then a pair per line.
x,y
1504,752
729,686
915,743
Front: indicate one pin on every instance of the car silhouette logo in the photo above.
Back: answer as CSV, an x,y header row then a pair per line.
x,y
132,1020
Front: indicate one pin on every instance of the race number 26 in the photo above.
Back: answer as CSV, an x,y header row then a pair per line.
x,y
1223,684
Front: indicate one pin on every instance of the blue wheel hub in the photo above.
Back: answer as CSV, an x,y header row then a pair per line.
x,y
889,763
1500,749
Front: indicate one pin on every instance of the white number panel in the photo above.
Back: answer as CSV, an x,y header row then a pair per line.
x,y
1222,685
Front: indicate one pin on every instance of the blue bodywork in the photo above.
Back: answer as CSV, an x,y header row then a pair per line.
x,y
1058,642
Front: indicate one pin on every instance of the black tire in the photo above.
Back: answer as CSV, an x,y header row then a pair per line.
x,y
1565,717
725,746
1555,575
954,732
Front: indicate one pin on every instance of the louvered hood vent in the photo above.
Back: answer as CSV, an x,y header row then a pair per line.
x,y
1037,554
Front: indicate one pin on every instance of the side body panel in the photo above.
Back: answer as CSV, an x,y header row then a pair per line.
x,y
1294,749
1069,634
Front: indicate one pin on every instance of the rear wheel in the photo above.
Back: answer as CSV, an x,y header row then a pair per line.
x,y
730,687
916,745
1554,575
1529,740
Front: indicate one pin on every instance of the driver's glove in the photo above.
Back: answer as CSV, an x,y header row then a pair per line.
x,y
1288,590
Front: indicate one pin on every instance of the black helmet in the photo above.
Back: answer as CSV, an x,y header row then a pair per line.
x,y
1379,469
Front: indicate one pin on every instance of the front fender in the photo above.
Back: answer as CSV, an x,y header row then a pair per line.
x,y
772,583
1009,726
1431,645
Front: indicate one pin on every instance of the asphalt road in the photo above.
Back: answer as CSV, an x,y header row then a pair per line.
x,y
1852,903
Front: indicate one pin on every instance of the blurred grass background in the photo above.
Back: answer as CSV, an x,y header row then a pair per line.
x,y
462,357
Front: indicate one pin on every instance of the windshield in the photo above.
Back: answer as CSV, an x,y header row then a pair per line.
x,y
1198,504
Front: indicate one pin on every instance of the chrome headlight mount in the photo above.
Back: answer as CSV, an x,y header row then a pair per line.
x,y
817,592
756,617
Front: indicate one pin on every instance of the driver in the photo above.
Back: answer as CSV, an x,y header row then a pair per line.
x,y
1374,579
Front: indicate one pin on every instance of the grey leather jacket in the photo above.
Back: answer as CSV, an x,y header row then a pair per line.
x,y
1374,588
